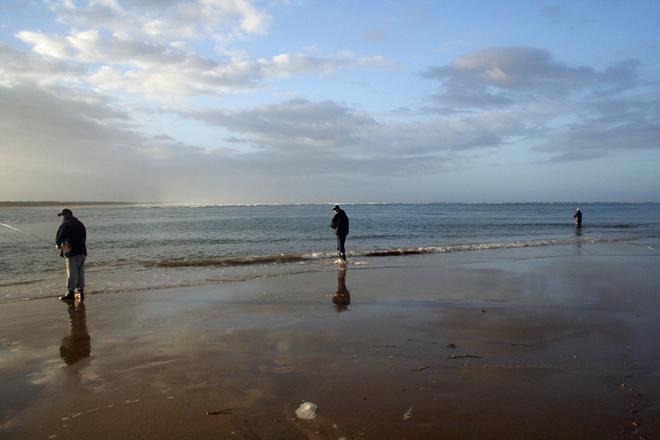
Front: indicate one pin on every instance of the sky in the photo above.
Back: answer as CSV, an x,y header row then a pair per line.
x,y
276,101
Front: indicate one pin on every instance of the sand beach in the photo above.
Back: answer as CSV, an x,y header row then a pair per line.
x,y
199,171
556,342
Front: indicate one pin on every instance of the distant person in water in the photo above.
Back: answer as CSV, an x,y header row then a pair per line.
x,y
70,240
578,218
340,225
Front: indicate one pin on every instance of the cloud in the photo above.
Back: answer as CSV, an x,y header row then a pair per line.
x,y
60,145
92,150
82,108
191,75
148,49
90,47
567,113
19,68
575,156
613,125
35,121
153,69
317,133
166,20
293,125
506,75
48,45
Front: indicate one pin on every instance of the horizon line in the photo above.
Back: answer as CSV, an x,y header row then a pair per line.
x,y
48,203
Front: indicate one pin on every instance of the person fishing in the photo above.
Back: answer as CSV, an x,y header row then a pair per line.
x,y
70,240
578,218
340,225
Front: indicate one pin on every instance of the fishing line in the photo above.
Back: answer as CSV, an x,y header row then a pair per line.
x,y
26,233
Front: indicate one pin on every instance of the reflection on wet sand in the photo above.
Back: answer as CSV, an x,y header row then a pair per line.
x,y
342,297
515,340
578,243
76,344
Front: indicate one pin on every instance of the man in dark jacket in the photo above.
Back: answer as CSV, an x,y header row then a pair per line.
x,y
70,240
340,225
578,218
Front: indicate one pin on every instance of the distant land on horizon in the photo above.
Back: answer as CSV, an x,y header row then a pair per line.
x,y
13,204
64,204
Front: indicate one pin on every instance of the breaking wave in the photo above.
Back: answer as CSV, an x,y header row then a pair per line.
x,y
226,261
218,261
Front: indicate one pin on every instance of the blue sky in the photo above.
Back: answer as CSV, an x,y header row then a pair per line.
x,y
237,101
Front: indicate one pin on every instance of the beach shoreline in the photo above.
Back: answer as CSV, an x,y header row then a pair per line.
x,y
136,248
548,342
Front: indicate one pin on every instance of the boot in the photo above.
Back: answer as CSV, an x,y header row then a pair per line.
x,y
69,296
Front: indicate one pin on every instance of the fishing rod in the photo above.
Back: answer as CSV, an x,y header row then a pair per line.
x,y
26,233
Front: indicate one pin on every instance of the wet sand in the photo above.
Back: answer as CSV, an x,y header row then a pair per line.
x,y
542,343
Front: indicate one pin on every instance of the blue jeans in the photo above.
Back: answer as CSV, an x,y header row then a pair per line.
x,y
75,272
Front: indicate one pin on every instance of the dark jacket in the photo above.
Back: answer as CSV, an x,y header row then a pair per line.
x,y
71,238
578,217
340,223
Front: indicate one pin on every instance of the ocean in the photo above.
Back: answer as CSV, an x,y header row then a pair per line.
x,y
134,248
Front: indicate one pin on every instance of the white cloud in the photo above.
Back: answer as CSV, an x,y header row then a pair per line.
x,y
153,69
180,74
90,47
165,20
149,48
17,68
47,45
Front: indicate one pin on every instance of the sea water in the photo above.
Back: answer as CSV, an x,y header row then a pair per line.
x,y
134,248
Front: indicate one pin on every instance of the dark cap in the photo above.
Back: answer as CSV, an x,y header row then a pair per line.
x,y
65,211
336,208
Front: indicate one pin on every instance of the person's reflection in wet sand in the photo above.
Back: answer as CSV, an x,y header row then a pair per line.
x,y
342,297
578,241
76,344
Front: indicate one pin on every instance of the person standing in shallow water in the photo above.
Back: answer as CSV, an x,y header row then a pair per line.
x,y
70,240
340,225
578,218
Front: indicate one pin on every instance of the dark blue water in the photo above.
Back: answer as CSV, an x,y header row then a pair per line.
x,y
145,247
